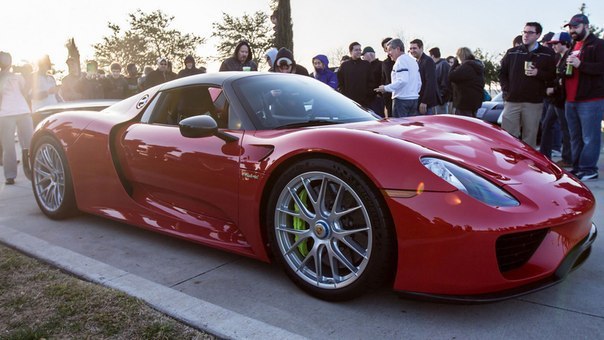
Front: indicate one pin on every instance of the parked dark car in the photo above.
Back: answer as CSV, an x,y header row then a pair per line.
x,y
490,111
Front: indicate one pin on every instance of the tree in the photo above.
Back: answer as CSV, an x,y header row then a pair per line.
x,y
282,19
148,38
252,28
491,67
597,31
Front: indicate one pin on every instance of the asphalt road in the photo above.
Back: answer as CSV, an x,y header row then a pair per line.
x,y
235,297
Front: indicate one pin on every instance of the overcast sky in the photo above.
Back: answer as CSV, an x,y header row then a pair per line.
x,y
33,28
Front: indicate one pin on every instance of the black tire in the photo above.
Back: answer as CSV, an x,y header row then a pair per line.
x,y
328,249
51,179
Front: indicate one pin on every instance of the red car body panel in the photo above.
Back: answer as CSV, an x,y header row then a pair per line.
x,y
213,192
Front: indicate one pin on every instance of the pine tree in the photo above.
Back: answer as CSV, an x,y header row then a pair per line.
x,y
284,34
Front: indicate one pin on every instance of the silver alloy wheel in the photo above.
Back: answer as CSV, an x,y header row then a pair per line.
x,y
323,230
49,177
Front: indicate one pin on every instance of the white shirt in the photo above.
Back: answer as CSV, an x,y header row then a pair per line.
x,y
13,102
406,80
43,83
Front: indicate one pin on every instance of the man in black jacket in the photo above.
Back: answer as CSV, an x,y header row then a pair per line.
x,y
387,65
190,68
585,97
428,94
524,75
355,77
442,80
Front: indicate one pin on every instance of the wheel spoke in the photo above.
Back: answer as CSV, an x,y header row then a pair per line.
x,y
343,259
345,212
303,263
289,212
318,263
342,233
299,232
303,209
352,244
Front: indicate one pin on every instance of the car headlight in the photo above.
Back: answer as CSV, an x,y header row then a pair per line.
x,y
470,183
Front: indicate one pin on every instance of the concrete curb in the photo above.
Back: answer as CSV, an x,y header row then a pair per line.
x,y
198,313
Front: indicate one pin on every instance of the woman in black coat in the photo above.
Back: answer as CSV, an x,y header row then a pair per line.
x,y
468,81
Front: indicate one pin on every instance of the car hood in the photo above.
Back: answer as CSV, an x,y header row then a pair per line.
x,y
476,145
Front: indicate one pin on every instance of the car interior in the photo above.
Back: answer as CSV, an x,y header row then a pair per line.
x,y
174,105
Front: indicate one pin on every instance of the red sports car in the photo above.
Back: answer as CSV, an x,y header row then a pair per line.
x,y
281,167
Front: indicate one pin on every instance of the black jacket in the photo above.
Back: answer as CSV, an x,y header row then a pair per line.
x,y
387,65
591,70
233,63
428,94
468,78
442,79
559,96
157,77
516,85
115,88
355,79
185,72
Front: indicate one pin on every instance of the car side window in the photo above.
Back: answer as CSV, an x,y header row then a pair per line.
x,y
172,106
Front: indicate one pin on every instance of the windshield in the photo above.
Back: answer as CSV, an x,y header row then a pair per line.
x,y
283,101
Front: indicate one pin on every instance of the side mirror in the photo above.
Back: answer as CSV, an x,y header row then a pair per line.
x,y
203,126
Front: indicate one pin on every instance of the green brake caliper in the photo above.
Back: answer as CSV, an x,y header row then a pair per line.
x,y
299,223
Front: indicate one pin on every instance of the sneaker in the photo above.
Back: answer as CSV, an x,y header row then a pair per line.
x,y
587,177
556,153
10,181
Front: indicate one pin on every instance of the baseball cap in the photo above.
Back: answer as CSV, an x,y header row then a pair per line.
x,y
560,37
578,19
368,49
284,60
547,37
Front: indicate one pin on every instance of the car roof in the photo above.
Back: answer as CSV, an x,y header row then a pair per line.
x,y
215,78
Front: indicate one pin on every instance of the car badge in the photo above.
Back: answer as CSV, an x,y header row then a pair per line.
x,y
142,101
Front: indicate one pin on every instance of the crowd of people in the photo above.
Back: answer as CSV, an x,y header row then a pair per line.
x,y
555,83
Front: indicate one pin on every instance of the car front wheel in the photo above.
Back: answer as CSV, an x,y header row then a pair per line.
x,y
51,179
329,230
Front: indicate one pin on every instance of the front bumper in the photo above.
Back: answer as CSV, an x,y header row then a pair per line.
x,y
573,260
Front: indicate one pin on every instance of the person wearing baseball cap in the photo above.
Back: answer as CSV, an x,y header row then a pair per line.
x,y
584,107
560,43
285,63
578,19
376,103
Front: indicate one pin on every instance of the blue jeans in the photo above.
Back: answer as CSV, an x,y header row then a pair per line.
x,y
429,111
584,119
442,109
404,107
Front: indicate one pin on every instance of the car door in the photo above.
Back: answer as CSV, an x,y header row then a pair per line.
x,y
194,179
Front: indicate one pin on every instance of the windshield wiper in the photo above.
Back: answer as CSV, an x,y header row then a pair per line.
x,y
314,122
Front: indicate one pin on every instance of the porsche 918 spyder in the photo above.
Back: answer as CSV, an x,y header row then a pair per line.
x,y
283,168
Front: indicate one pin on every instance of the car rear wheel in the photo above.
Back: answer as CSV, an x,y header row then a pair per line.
x,y
329,231
51,179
